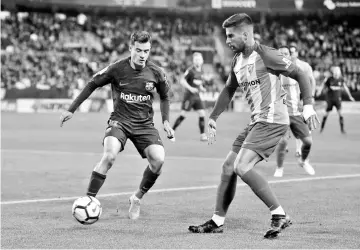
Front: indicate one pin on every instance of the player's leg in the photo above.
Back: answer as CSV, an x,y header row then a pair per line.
x,y
112,146
259,144
341,117
281,152
185,107
148,143
302,132
199,106
225,191
298,145
329,107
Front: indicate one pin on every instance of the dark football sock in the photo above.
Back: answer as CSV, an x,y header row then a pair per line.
x,y
148,180
323,122
305,151
178,121
341,120
261,188
96,181
281,152
202,124
225,194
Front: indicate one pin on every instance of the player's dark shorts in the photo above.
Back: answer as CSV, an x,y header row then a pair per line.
x,y
192,101
261,137
333,102
141,136
299,127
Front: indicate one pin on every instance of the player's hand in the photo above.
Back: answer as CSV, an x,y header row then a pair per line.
x,y
65,116
193,90
169,131
211,131
310,117
352,99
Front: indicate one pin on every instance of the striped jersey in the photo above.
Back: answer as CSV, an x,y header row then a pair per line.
x,y
257,75
293,101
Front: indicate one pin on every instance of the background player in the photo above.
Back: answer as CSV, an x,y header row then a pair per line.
x,y
304,66
297,123
133,82
255,68
333,91
193,81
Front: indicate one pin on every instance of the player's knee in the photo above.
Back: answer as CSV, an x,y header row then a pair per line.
x,y
283,144
307,141
242,167
156,162
201,113
109,158
228,167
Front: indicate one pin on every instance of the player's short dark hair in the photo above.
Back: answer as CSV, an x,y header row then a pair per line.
x,y
140,37
237,19
284,46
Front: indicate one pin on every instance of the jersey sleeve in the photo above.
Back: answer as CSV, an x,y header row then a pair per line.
x,y
163,89
189,75
100,79
274,61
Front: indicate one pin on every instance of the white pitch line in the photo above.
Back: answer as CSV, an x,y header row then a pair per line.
x,y
49,152
166,190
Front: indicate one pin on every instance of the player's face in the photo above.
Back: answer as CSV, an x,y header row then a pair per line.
x,y
336,72
140,53
198,61
285,52
235,39
293,53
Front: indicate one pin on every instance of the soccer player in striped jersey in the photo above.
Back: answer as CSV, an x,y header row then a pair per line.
x,y
255,69
297,124
334,86
304,66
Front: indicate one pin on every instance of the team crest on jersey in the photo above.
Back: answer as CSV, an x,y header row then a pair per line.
x,y
251,68
149,86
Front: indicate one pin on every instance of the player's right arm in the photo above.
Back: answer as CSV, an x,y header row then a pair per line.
x,y
184,81
100,79
222,102
322,86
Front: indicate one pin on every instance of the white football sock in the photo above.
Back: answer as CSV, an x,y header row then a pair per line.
x,y
219,221
278,210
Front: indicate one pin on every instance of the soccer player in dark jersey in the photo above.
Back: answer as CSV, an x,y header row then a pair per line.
x,y
255,69
193,81
134,80
333,87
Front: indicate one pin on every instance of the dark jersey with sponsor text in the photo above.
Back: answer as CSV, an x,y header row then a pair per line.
x,y
132,90
334,88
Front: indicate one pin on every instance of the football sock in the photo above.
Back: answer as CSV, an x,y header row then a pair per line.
x,y
278,210
178,121
202,124
305,151
96,181
281,154
225,194
341,120
148,180
298,145
219,220
323,123
261,188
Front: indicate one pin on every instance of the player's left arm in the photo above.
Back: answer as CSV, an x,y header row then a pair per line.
x,y
163,89
348,92
277,64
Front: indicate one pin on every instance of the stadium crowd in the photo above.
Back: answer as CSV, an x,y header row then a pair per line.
x,y
59,52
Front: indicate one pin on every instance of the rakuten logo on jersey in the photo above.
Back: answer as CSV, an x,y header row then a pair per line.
x,y
135,98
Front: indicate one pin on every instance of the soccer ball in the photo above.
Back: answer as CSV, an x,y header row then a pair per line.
x,y
87,210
